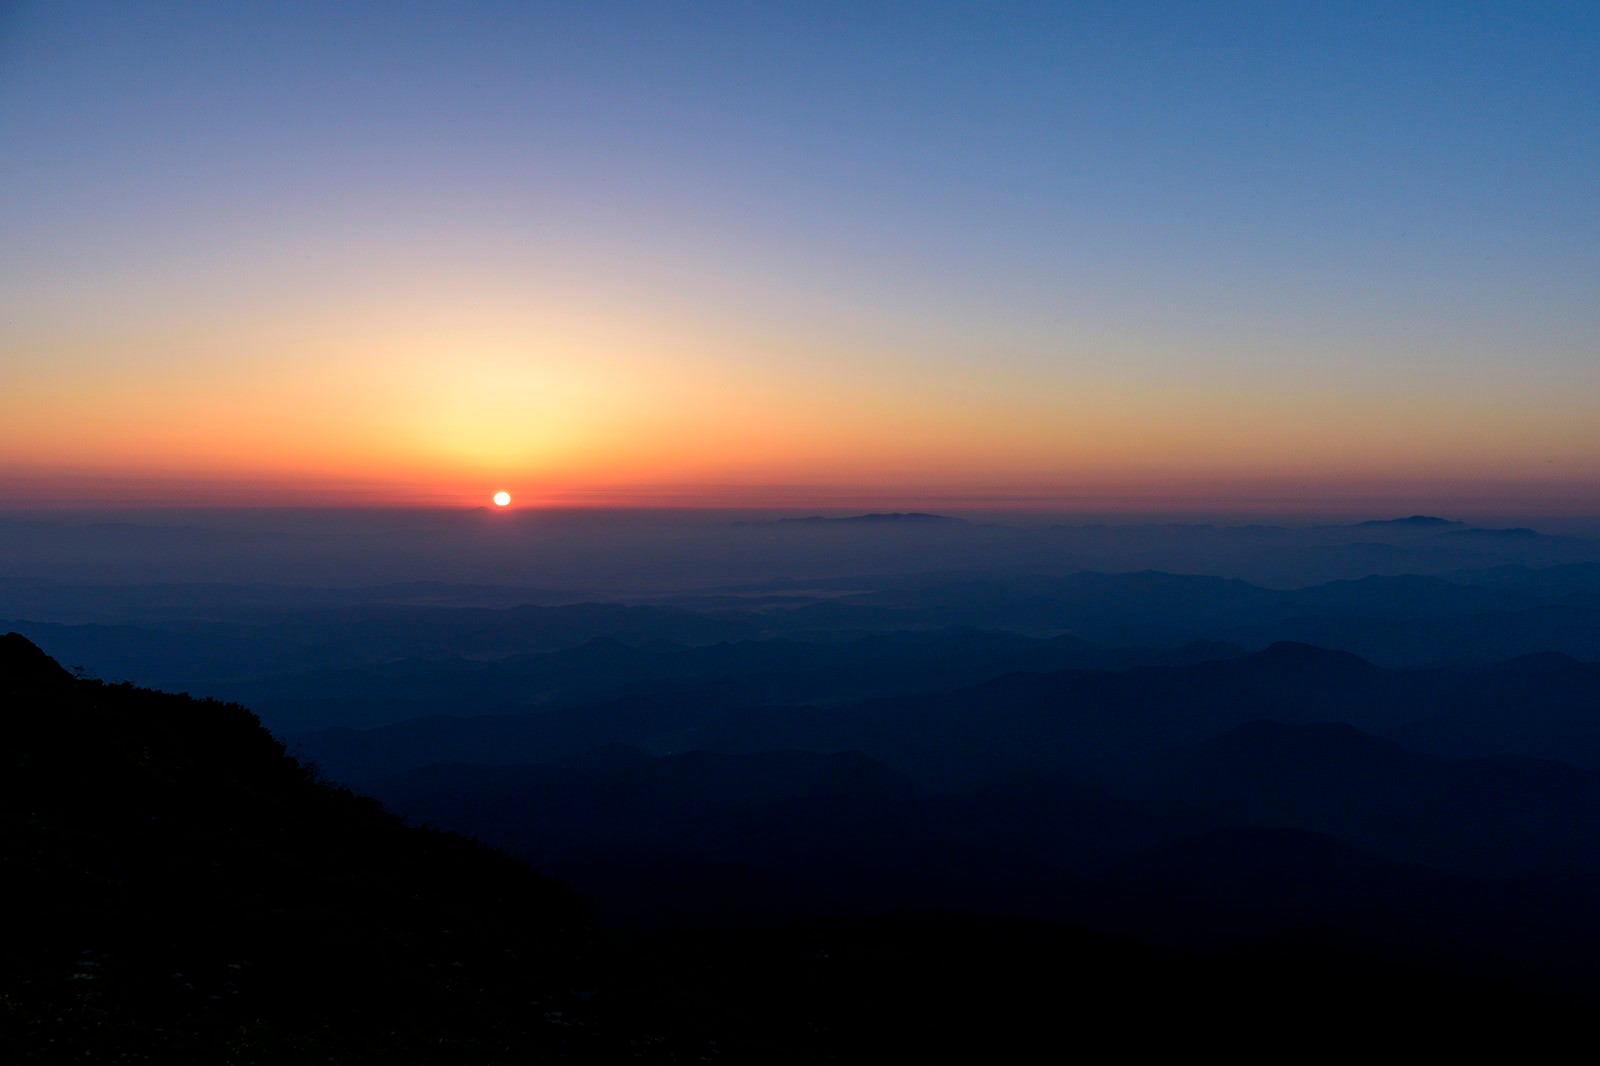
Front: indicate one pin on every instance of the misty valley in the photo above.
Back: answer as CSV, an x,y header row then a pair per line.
x,y
833,789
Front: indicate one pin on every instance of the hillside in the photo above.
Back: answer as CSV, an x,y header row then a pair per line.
x,y
193,894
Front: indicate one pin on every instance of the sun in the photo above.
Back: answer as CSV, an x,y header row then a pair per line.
x,y
502,498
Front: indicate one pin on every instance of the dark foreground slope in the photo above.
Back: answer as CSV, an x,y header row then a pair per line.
x,y
181,891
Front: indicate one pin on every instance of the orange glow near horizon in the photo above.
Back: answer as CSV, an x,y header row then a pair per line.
x,y
440,406
1156,495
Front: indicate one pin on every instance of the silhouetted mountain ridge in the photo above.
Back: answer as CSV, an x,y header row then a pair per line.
x,y
1092,722
189,893
24,667
1416,521
887,518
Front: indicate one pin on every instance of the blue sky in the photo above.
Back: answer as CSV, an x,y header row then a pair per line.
x,y
934,218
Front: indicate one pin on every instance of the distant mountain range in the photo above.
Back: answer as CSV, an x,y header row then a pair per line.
x,y
1090,721
894,518
188,893
560,556
883,769
367,664
1209,804
1416,521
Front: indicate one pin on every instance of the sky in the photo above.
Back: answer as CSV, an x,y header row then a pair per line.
x,y
633,253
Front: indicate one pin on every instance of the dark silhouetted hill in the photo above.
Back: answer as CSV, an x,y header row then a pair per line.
x,y
182,891
1416,521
